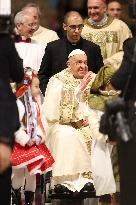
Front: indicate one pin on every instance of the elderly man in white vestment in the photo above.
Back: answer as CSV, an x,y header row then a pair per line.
x,y
42,34
29,50
68,134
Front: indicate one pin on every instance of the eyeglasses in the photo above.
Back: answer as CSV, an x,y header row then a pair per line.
x,y
74,27
31,25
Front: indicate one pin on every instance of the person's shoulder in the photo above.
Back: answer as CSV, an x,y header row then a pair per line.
x,y
48,32
55,43
130,40
130,43
119,22
90,44
129,47
44,29
86,22
59,76
121,27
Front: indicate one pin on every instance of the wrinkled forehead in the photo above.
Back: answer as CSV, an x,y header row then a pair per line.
x,y
29,19
93,3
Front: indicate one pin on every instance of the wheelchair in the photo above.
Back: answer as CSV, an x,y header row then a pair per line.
x,y
50,194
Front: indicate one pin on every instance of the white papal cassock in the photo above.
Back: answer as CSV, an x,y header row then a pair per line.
x,y
66,143
70,146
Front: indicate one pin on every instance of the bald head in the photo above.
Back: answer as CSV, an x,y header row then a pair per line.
x,y
103,2
96,9
73,15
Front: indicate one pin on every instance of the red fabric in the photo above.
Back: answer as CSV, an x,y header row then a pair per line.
x,y
39,119
23,155
27,40
21,90
26,83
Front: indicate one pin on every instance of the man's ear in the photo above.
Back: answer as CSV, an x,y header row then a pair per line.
x,y
105,8
18,25
64,26
68,63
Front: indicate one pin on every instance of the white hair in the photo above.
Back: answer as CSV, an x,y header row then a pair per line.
x,y
20,17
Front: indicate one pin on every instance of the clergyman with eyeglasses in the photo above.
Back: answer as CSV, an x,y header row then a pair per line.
x,y
56,53
29,50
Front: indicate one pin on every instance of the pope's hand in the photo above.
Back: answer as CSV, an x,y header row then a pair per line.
x,y
5,156
87,78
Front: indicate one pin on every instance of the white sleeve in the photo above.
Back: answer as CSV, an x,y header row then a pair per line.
x,y
50,107
82,105
21,137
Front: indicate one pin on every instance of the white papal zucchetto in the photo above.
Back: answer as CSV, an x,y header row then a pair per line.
x,y
76,52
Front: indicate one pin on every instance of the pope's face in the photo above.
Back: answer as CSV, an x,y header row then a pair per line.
x,y
78,65
96,9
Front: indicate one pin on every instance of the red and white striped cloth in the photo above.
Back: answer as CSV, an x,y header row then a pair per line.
x,y
37,159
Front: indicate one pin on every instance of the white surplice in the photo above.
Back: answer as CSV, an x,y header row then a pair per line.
x,y
31,53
